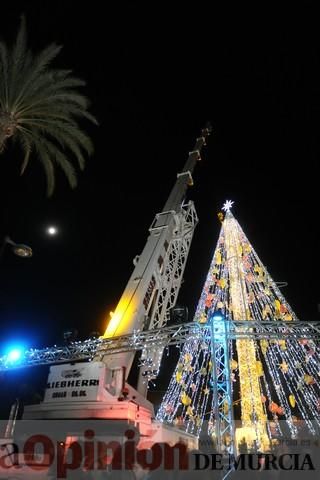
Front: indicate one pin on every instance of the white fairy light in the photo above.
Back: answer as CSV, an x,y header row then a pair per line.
x,y
254,295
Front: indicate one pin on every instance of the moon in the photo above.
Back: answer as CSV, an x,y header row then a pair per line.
x,y
52,230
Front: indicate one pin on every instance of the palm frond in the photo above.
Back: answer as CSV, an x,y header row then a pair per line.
x,y
26,146
40,107
67,169
30,75
46,149
4,67
17,57
19,48
47,164
68,136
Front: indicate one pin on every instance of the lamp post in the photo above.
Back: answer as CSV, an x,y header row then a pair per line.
x,y
23,251
18,249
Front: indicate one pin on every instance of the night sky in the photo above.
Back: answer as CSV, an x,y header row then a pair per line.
x,y
155,76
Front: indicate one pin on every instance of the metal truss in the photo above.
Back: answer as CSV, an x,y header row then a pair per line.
x,y
222,335
222,394
174,265
100,347
164,337
274,330
168,285
74,352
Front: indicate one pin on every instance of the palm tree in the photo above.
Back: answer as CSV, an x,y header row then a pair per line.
x,y
40,108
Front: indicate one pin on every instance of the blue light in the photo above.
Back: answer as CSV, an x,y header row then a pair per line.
x,y
218,326
217,316
14,355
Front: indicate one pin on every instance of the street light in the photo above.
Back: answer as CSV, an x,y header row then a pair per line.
x,y
18,249
15,354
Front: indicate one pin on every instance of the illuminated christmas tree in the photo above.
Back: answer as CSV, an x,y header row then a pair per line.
x,y
274,381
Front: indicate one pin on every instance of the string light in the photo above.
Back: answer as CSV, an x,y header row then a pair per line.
x,y
275,378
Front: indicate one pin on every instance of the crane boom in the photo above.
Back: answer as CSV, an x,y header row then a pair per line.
x,y
153,287
120,323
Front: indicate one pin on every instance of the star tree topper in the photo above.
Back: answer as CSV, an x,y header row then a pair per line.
x,y
227,205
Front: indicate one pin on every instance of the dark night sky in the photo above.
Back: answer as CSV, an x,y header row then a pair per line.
x,y
154,78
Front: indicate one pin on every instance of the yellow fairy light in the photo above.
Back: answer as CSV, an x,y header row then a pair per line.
x,y
253,415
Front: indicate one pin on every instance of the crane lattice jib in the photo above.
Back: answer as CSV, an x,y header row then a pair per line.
x,y
155,282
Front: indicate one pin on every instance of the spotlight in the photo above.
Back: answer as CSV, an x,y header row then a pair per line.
x,y
217,316
70,335
14,355
179,314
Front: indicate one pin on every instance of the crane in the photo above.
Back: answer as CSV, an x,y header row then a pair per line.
x,y
99,388
155,282
154,285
